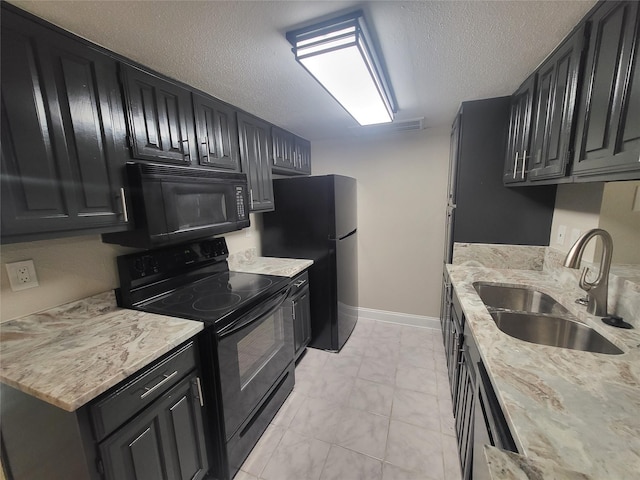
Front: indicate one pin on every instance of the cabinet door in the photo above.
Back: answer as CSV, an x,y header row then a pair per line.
x,y
283,149
464,411
255,143
184,432
519,132
62,132
160,118
217,133
608,128
302,155
164,442
555,103
301,321
453,351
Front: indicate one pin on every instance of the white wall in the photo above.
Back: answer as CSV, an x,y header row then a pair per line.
x,y
402,181
618,217
69,269
577,209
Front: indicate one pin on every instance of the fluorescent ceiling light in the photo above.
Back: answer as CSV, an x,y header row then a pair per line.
x,y
338,53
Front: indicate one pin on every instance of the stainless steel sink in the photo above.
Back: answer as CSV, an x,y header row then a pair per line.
x,y
522,299
554,331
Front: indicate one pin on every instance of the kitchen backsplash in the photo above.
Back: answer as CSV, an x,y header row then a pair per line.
x,y
520,257
74,268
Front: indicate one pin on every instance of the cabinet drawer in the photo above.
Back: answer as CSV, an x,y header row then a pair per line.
x,y
113,410
299,282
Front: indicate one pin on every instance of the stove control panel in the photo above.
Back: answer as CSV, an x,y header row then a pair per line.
x,y
171,261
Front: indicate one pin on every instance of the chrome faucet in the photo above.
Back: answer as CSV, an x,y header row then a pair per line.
x,y
596,291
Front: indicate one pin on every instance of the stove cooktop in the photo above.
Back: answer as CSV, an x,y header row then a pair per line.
x,y
216,296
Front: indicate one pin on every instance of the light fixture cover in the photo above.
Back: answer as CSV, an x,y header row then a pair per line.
x,y
339,54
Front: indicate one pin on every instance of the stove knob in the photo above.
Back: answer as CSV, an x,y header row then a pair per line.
x,y
205,249
153,265
138,265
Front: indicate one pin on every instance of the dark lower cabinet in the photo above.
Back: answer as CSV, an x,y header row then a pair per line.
x,y
255,148
166,441
301,311
160,118
479,419
608,128
464,412
461,378
63,146
148,427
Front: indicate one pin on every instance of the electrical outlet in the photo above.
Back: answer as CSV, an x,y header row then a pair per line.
x,y
562,233
22,275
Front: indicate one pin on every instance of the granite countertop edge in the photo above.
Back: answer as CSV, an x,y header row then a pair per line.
x,y
546,393
249,262
108,344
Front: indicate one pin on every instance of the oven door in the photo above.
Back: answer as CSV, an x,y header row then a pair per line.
x,y
253,352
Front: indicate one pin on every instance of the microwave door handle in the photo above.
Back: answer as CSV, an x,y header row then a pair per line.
x,y
257,314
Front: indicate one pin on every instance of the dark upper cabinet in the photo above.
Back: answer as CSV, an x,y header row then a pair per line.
x,y
519,132
554,109
291,155
217,133
283,149
302,155
62,135
160,118
608,128
255,148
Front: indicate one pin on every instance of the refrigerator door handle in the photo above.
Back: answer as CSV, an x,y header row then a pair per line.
x,y
352,232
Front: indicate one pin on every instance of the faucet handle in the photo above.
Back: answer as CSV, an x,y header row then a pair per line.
x,y
584,284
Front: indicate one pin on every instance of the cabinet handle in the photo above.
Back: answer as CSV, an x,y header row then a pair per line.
x,y
515,166
205,148
199,385
185,148
524,160
158,385
299,283
123,202
251,196
293,310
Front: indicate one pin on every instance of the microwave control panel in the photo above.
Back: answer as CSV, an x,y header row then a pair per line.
x,y
240,194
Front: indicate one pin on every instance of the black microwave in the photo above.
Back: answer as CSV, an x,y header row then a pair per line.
x,y
173,204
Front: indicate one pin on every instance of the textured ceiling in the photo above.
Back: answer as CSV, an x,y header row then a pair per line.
x,y
437,53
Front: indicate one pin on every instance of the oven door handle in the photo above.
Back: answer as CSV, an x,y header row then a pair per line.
x,y
256,314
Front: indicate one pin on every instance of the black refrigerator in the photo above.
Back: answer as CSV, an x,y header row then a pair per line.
x,y
316,218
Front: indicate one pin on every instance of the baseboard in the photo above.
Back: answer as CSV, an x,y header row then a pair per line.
x,y
399,318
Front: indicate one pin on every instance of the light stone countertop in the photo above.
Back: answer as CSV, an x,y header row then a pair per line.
x,y
248,261
574,410
70,354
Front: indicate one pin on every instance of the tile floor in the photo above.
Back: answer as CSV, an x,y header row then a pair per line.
x,y
378,410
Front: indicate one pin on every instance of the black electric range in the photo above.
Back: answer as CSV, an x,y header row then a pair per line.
x,y
192,281
246,349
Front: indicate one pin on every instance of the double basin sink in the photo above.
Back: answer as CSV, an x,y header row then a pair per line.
x,y
535,317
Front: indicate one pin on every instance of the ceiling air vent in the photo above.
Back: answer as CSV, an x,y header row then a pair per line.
x,y
393,127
